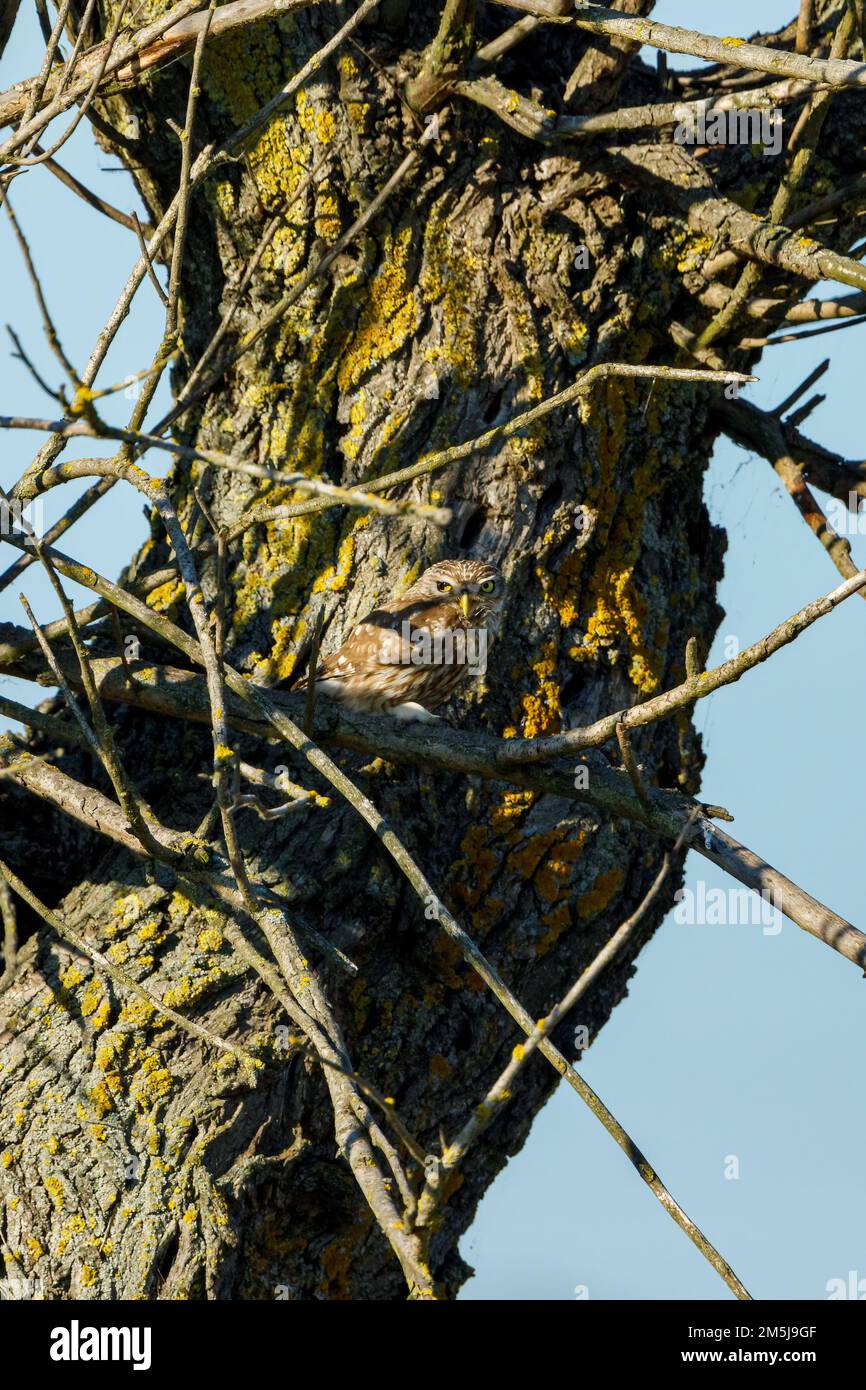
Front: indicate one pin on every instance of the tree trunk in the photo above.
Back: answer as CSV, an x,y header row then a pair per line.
x,y
133,1164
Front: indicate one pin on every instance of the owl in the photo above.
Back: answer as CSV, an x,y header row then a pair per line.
x,y
414,652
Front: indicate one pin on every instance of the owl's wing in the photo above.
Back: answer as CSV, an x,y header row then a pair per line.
x,y
377,641
385,638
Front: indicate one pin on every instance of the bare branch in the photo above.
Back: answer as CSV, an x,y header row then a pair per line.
x,y
679,179
181,694
156,44
802,144
804,25
731,51
756,429
502,1090
693,688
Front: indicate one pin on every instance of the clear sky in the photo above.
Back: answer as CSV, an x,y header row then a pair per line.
x,y
731,1043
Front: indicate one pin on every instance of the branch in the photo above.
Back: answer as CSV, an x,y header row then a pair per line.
x,y
35,481
791,474
184,188
804,25
290,731
58,729
502,1090
732,52
319,1021
695,687
679,179
181,694
208,160
331,493
92,199
77,510
507,40
100,738
95,810
29,159
601,67
805,311
432,463
754,428
48,327
749,344
156,44
10,934
531,118
446,56
802,143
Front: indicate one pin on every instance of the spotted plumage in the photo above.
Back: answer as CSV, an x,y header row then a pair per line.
x,y
412,654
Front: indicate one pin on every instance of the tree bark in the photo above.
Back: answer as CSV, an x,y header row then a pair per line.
x,y
134,1165
8,11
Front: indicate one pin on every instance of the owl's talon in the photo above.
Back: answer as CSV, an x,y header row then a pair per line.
x,y
411,710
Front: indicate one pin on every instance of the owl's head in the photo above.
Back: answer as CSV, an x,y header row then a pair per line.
x,y
474,586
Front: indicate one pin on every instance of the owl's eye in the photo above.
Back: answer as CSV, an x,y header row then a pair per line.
x,y
444,587
488,586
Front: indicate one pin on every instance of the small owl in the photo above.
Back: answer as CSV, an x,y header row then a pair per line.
x,y
413,653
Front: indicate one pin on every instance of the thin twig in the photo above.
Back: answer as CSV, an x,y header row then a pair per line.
x,y
312,669
610,792
139,232
502,1090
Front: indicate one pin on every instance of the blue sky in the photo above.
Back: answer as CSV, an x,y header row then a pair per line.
x,y
731,1042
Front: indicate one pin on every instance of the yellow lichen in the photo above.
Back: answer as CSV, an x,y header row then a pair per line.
x,y
542,709
137,1012
54,1188
152,1083
453,277
95,1004
211,939
165,595
390,313
602,892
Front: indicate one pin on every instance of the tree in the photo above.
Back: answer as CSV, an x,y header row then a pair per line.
x,y
439,282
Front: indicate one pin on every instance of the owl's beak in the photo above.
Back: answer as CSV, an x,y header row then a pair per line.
x,y
465,602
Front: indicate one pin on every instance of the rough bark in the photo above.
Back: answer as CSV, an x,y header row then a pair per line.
x,y
8,11
134,1165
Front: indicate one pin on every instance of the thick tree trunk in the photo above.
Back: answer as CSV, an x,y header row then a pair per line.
x,y
8,11
133,1164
